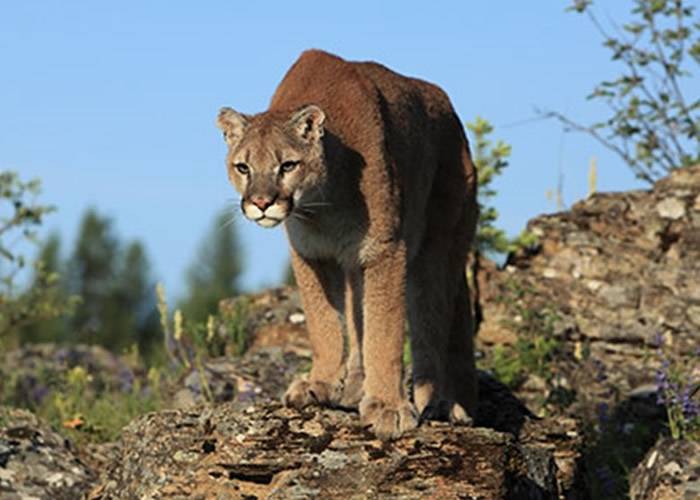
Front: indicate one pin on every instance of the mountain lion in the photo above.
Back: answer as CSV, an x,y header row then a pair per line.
x,y
370,172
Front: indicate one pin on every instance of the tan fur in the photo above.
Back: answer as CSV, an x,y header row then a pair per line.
x,y
379,205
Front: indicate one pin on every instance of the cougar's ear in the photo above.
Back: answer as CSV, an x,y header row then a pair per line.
x,y
307,123
232,124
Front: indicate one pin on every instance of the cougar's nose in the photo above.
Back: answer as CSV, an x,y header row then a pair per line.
x,y
262,201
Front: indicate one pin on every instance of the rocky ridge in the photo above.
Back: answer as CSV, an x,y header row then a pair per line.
x,y
617,273
608,280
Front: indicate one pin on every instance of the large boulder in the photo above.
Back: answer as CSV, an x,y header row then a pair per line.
x,y
251,447
267,451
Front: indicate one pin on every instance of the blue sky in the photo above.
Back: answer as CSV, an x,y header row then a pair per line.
x,y
113,104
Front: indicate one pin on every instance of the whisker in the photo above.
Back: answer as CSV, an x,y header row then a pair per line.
x,y
233,218
301,216
316,204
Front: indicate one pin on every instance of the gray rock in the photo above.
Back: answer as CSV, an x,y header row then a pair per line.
x,y
36,462
671,208
617,269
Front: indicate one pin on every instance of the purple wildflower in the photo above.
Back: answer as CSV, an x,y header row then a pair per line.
x,y
675,392
689,406
607,481
603,413
600,374
126,379
38,393
663,383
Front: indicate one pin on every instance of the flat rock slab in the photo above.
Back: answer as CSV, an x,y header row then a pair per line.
x,y
268,451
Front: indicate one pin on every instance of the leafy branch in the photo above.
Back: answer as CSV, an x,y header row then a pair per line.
x,y
654,127
20,217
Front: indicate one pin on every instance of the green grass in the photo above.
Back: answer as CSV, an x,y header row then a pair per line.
x,y
512,364
83,406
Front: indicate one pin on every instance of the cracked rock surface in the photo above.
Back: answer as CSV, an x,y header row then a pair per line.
x,y
267,451
617,272
36,462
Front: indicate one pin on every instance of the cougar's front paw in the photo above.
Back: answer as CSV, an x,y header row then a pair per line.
x,y
304,392
388,421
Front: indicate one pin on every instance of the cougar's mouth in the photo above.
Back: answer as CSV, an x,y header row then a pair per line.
x,y
269,216
267,221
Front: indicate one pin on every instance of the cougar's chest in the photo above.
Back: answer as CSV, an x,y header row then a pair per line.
x,y
333,238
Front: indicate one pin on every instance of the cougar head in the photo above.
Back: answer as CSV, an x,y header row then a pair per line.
x,y
273,159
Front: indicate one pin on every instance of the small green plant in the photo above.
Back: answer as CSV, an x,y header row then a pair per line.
x,y
233,324
535,347
189,343
224,333
512,364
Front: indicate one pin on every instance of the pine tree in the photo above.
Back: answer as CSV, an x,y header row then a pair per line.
x,y
490,159
50,253
91,276
215,273
134,292
118,307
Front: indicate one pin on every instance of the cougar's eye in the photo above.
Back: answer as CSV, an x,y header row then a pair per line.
x,y
288,166
242,168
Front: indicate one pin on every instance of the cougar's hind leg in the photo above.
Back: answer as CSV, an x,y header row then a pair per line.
x,y
429,312
462,380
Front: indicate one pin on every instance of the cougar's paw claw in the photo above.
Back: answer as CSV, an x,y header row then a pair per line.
x,y
304,392
445,411
459,416
435,410
388,421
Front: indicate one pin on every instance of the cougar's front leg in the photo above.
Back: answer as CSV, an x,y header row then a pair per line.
x,y
321,286
384,405
354,374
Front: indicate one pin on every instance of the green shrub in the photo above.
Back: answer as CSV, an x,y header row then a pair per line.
x,y
20,218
